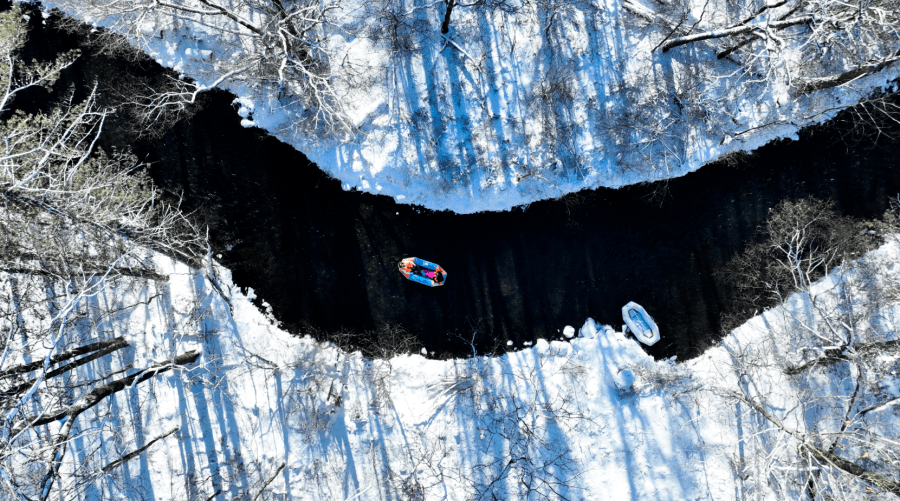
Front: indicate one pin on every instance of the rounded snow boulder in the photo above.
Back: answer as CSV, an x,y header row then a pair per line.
x,y
624,379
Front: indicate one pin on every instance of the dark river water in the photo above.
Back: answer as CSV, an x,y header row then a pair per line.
x,y
326,259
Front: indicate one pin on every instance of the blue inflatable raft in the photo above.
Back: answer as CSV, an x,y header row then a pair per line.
x,y
423,272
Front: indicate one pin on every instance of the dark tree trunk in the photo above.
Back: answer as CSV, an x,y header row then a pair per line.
x,y
837,354
830,458
445,26
134,454
269,481
731,50
730,32
848,76
96,395
133,272
854,469
66,355
72,365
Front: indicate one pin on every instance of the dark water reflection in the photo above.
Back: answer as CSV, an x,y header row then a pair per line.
x,y
326,259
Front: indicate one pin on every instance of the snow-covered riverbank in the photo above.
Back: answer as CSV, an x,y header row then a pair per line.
x,y
592,419
508,109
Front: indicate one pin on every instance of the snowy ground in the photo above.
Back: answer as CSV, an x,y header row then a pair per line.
x,y
556,420
553,97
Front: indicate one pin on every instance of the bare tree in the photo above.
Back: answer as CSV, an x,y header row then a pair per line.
x,y
480,6
75,224
808,45
818,423
799,243
283,45
398,25
552,103
518,456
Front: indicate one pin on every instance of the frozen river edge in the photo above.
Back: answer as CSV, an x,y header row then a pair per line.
x,y
593,418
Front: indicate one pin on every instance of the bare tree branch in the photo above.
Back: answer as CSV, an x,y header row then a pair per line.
x,y
738,30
